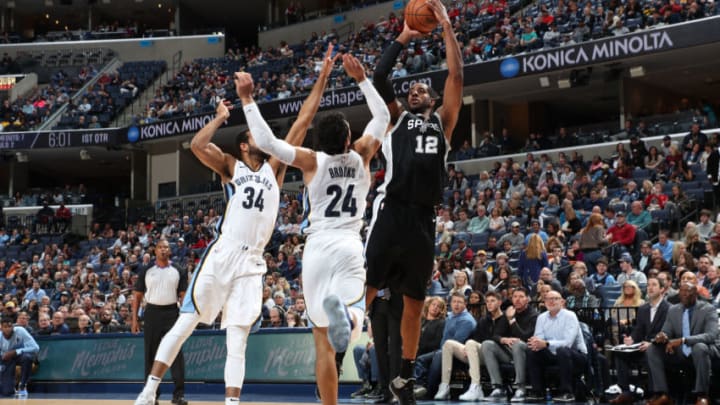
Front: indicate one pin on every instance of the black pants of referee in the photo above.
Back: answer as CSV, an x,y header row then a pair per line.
x,y
159,319
385,316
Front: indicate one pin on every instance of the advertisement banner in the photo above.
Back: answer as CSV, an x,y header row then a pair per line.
x,y
270,357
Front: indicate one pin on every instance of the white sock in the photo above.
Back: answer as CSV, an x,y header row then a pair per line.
x,y
152,384
232,401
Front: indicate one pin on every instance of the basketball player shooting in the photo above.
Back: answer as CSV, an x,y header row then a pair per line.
x,y
415,150
337,180
229,276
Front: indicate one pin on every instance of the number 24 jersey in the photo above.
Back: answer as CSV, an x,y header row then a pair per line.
x,y
337,193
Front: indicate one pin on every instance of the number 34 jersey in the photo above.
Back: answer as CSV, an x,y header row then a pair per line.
x,y
337,193
253,198
415,151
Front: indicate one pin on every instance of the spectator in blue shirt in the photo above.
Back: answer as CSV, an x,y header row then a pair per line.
x,y
601,276
558,340
36,293
665,245
459,324
59,327
4,237
17,347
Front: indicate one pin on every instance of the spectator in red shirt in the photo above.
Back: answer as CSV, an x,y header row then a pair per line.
x,y
656,199
63,217
622,233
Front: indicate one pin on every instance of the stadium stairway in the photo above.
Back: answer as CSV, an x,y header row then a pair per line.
x,y
138,106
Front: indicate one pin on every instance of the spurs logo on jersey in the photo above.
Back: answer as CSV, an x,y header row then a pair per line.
x,y
337,192
253,199
415,151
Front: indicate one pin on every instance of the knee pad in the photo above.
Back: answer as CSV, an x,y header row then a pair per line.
x,y
236,340
173,340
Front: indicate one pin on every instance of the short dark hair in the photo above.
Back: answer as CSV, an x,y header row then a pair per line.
x,y
494,295
7,319
332,132
242,137
459,295
522,290
660,281
431,91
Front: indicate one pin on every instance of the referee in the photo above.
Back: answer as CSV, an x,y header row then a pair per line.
x,y
162,286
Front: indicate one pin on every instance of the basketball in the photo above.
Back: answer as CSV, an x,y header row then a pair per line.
x,y
420,17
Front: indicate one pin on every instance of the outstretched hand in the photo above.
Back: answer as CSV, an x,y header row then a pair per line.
x,y
353,67
223,109
439,10
244,85
328,61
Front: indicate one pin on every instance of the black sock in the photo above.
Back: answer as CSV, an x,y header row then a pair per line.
x,y
407,368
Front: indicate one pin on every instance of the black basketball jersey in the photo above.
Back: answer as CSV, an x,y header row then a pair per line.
x,y
415,151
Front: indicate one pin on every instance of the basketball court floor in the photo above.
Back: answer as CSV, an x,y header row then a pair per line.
x,y
196,399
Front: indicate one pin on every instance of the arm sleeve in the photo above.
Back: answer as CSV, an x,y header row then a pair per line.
x,y
29,344
463,330
381,77
377,127
710,330
264,137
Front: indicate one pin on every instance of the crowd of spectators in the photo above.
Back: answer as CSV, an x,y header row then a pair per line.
x,y
34,108
489,223
684,117
104,30
486,30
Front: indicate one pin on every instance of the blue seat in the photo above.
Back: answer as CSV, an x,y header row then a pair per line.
x,y
609,294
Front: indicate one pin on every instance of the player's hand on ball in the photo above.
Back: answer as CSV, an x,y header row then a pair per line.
x,y
439,9
353,67
243,84
410,33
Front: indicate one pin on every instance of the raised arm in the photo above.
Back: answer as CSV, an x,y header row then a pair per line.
x,y
452,95
210,154
381,77
262,134
376,129
299,129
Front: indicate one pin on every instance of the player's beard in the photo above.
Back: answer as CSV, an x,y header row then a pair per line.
x,y
258,154
421,108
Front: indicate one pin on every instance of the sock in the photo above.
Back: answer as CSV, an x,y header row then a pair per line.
x,y
152,384
407,368
339,357
232,401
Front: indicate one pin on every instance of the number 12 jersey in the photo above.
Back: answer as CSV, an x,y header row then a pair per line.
x,y
415,152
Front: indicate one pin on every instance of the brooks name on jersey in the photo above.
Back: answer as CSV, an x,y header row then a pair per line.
x,y
341,171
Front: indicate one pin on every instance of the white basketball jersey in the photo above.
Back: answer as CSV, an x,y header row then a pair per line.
x,y
253,198
337,193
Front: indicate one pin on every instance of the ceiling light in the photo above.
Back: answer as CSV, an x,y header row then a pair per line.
x,y
564,84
